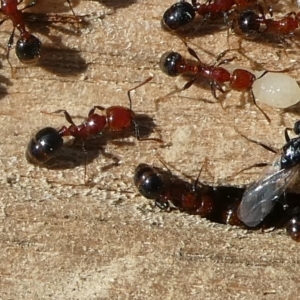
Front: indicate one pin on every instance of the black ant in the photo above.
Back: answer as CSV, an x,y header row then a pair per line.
x,y
47,143
248,23
173,64
182,13
260,197
217,204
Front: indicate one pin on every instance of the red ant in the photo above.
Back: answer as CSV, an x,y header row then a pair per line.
x,y
217,204
48,141
249,22
28,46
173,64
182,13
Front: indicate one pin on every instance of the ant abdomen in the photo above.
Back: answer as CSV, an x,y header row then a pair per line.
x,y
293,225
178,15
119,118
169,62
148,181
28,49
44,145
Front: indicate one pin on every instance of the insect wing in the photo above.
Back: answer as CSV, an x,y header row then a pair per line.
x,y
261,196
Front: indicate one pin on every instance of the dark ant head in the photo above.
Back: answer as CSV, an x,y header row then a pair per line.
x,y
247,23
168,63
149,182
297,127
28,49
178,15
44,145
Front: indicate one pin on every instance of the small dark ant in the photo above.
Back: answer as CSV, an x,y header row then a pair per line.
x,y
217,204
248,23
28,46
173,64
182,13
47,143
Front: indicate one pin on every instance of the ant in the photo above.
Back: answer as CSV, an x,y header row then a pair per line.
x,y
28,46
217,204
173,64
248,23
47,143
182,13
260,197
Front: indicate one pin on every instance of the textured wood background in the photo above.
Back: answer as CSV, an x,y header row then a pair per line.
x,y
63,240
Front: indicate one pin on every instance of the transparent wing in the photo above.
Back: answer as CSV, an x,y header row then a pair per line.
x,y
261,196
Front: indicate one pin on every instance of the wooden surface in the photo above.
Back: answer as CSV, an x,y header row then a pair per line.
x,y
63,240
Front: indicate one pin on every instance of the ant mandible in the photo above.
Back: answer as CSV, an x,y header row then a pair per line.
x,y
173,64
47,143
182,13
248,23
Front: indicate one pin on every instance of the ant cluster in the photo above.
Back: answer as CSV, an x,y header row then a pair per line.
x,y
264,203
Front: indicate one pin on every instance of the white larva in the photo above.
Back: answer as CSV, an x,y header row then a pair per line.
x,y
275,89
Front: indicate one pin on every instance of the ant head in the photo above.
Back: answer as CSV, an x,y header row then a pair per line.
x,y
178,15
297,127
148,181
168,63
44,145
28,49
247,23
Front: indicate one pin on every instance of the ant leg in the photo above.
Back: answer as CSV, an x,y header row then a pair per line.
x,y
254,101
9,46
267,147
286,130
138,137
216,86
31,4
258,165
185,87
224,61
134,88
71,8
67,115
192,52
92,111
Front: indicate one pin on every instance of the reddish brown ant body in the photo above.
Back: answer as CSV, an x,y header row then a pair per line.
x,y
248,23
217,204
182,13
48,141
173,64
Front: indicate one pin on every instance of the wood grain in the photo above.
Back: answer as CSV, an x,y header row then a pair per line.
x,y
63,240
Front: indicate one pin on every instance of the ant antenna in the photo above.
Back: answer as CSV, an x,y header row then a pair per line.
x,y
134,88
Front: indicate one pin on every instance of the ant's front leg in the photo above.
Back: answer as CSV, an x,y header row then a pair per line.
x,y
92,111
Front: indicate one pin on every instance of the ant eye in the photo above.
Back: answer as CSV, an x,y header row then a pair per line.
x,y
178,15
148,182
44,145
248,22
168,63
28,49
